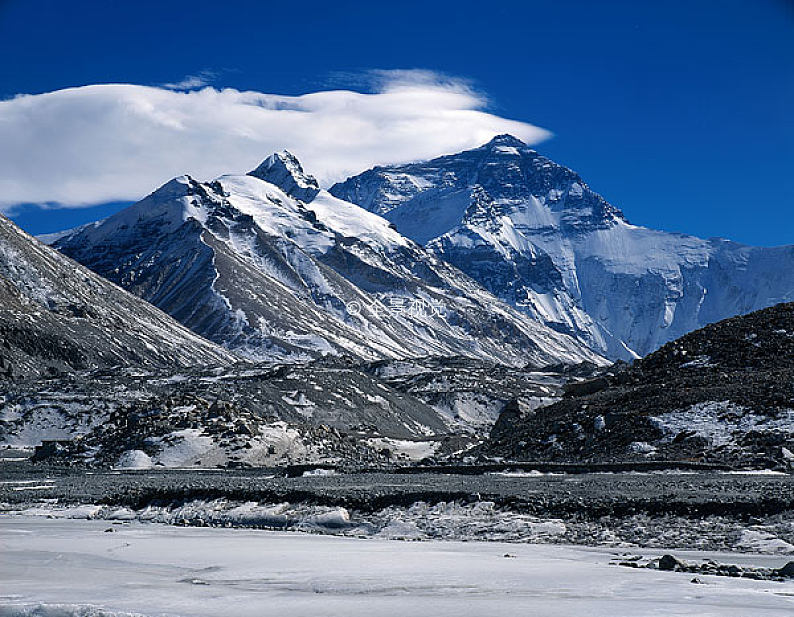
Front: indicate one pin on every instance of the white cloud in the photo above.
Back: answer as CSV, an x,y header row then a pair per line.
x,y
94,144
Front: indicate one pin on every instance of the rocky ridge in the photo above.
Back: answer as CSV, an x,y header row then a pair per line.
x,y
57,316
724,393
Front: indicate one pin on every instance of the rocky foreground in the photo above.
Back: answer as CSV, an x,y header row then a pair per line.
x,y
685,510
724,393
328,411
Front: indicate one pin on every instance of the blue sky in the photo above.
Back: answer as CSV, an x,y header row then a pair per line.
x,y
677,112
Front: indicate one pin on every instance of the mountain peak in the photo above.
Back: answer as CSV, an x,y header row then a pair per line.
x,y
505,139
285,171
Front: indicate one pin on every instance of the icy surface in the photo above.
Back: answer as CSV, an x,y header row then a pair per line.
x,y
444,520
71,568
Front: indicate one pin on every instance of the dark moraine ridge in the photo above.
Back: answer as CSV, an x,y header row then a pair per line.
x,y
722,394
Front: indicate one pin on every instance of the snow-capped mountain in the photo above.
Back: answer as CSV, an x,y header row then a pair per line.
x,y
270,265
58,316
534,234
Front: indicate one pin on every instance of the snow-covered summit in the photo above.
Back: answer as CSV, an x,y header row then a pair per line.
x,y
426,200
285,171
537,236
247,263
163,211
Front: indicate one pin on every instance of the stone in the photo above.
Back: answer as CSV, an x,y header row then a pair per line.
x,y
787,570
668,563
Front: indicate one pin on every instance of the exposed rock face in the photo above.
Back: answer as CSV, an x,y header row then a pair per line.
x,y
57,316
535,235
724,393
251,266
471,394
285,171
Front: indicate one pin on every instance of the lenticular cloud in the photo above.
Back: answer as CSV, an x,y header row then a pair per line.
x,y
99,143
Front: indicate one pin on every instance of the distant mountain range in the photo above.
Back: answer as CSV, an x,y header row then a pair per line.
x,y
534,234
273,268
495,253
393,318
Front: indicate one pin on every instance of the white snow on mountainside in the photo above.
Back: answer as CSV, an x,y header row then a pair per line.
x,y
535,235
271,266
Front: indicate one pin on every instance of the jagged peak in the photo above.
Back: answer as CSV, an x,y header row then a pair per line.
x,y
285,171
505,139
165,209
175,187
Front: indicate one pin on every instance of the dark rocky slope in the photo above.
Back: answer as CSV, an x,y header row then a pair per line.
x,y
57,316
724,393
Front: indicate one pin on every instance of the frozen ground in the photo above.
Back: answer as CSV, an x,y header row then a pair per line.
x,y
675,510
65,568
